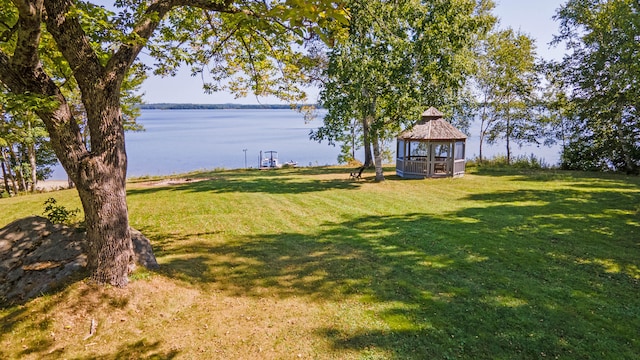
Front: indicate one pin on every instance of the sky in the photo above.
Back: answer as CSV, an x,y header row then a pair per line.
x,y
533,18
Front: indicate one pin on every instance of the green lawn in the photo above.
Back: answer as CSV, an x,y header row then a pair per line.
x,y
303,263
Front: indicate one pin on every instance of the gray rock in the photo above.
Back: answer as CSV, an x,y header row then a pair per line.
x,y
37,256
142,250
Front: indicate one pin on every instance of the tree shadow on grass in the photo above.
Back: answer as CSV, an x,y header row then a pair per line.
x,y
91,300
526,274
261,182
584,179
138,350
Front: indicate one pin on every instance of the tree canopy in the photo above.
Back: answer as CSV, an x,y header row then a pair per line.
x,y
25,154
399,58
602,74
50,48
507,81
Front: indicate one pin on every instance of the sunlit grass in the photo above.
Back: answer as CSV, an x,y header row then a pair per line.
x,y
303,263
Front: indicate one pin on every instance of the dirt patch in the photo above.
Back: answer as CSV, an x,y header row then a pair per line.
x,y
37,256
170,182
52,185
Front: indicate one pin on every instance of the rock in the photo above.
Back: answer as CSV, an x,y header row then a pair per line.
x,y
142,250
5,245
37,256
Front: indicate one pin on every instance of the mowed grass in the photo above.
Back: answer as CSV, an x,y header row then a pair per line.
x,y
305,264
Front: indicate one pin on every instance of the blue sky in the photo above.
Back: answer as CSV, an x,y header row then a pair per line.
x,y
530,17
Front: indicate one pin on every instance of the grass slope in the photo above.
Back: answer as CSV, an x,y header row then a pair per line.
x,y
303,263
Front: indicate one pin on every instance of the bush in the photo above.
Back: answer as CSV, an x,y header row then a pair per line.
x,y
530,162
59,214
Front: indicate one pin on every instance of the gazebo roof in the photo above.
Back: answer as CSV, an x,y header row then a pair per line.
x,y
433,127
431,114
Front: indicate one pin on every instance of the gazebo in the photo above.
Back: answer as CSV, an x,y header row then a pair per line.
x,y
432,148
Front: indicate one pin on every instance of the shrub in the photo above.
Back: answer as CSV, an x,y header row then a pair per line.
x,y
519,162
59,214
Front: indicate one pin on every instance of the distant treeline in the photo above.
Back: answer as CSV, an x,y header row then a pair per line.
x,y
169,106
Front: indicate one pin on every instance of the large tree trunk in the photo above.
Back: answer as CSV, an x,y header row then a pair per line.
x,y
100,180
377,155
99,172
104,203
366,135
367,118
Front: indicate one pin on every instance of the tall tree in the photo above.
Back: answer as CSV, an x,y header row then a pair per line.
x,y
603,70
399,57
554,106
26,139
254,37
6,158
507,81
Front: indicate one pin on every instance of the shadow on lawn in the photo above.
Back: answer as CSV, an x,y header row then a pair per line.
x,y
138,350
43,345
520,274
584,179
281,181
526,274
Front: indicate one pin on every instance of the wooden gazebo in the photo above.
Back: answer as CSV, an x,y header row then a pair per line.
x,y
432,148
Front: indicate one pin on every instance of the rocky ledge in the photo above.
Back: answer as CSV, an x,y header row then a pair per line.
x,y
37,256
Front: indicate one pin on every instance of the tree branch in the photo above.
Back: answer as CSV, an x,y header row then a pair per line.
x,y
142,32
29,19
62,127
74,45
7,34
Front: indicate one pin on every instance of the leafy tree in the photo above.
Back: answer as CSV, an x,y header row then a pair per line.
x,y
555,107
30,154
6,156
255,41
399,57
603,71
507,82
24,142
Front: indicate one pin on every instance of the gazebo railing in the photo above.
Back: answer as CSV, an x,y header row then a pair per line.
x,y
420,168
416,167
458,167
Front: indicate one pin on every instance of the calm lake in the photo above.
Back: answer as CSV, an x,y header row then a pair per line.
x,y
179,141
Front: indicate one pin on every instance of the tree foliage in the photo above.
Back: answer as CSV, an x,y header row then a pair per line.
x,y
21,108
603,72
399,58
555,107
507,82
26,154
257,42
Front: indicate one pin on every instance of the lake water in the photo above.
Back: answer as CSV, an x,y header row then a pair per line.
x,y
179,141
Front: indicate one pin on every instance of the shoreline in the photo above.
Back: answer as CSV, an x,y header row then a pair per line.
x,y
52,185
